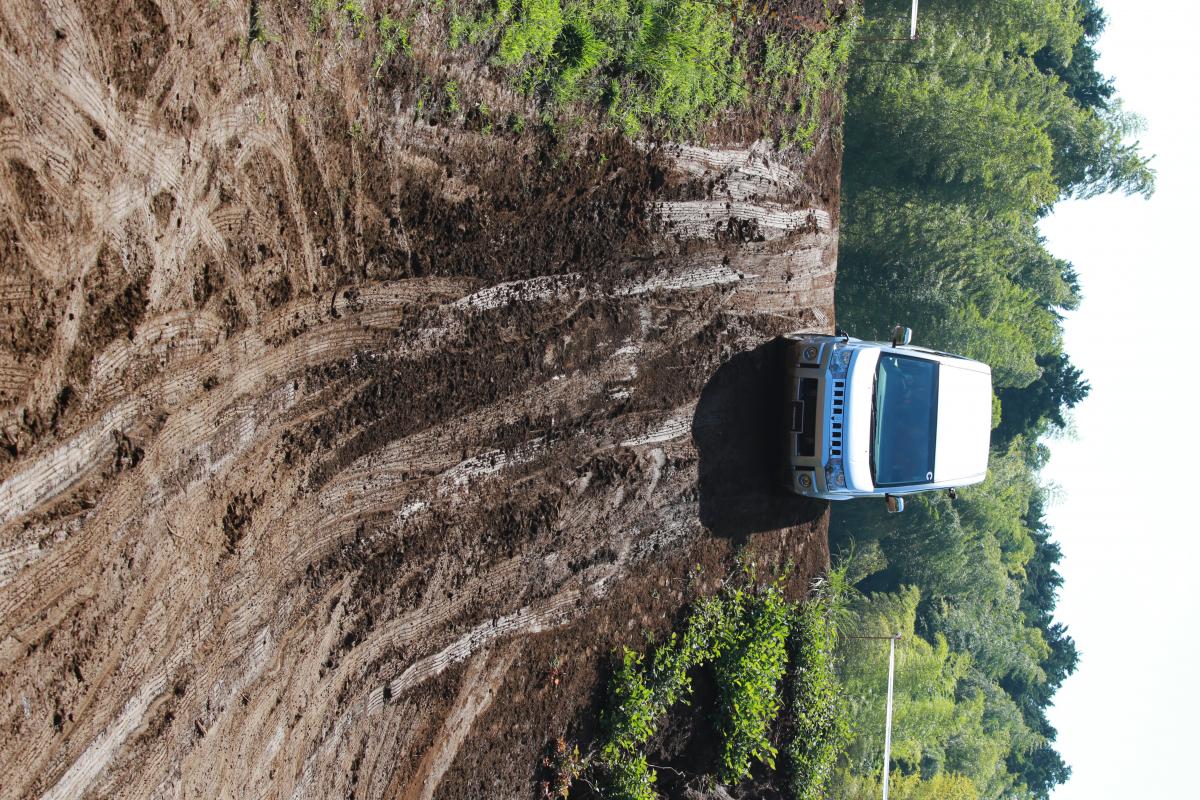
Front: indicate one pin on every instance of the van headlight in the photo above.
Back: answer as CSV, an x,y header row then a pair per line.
x,y
839,363
835,477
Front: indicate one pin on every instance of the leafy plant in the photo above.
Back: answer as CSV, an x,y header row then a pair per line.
x,y
743,634
355,15
565,764
817,706
352,12
453,102
748,673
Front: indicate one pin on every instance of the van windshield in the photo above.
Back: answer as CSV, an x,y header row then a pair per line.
x,y
903,420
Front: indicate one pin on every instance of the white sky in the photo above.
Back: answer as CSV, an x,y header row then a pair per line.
x,y
1128,718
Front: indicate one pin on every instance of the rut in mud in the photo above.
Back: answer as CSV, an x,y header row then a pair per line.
x,y
341,442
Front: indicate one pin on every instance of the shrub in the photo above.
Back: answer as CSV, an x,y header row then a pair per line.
x,y
818,709
637,700
748,674
744,635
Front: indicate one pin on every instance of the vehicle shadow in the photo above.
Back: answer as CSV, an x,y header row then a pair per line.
x,y
738,433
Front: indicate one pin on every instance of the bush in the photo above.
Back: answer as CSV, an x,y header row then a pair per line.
x,y
744,635
748,674
819,713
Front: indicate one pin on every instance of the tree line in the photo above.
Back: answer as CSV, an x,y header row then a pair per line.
x,y
955,146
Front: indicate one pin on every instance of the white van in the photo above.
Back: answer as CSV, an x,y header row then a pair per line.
x,y
867,419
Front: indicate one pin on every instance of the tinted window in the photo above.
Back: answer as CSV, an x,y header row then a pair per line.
x,y
904,420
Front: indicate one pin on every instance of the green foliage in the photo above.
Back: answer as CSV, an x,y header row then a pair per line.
x,y
942,786
1077,69
670,65
393,39
969,112
351,12
748,671
955,147
318,13
638,698
355,15
743,635
664,60
970,281
821,726
680,65
947,720
453,100
466,29
980,656
813,61
535,27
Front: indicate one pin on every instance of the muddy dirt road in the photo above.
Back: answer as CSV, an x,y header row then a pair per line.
x,y
343,434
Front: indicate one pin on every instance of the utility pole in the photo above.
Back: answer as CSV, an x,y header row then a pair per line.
x,y
887,730
912,30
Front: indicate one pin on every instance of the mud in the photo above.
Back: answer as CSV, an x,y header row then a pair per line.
x,y
343,434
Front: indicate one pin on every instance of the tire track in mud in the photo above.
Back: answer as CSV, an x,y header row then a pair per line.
x,y
296,513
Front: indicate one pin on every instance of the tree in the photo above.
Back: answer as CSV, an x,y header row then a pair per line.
x,y
1028,409
955,147
993,106
1086,85
966,280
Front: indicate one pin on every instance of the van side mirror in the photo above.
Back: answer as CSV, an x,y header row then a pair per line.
x,y
901,335
894,504
953,494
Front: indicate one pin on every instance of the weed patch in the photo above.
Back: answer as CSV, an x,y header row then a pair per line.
x,y
339,15
665,65
453,101
797,70
393,39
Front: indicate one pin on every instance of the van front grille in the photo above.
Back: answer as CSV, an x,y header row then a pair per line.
x,y
837,411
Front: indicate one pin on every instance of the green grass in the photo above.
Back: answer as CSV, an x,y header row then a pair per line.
x,y
668,65
393,39
352,12
340,16
664,62
798,69
646,66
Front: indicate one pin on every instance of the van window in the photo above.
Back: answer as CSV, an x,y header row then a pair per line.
x,y
903,420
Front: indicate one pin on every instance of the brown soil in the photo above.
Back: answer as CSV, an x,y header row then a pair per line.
x,y
344,434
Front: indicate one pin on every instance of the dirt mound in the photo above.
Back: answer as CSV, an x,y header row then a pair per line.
x,y
341,441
